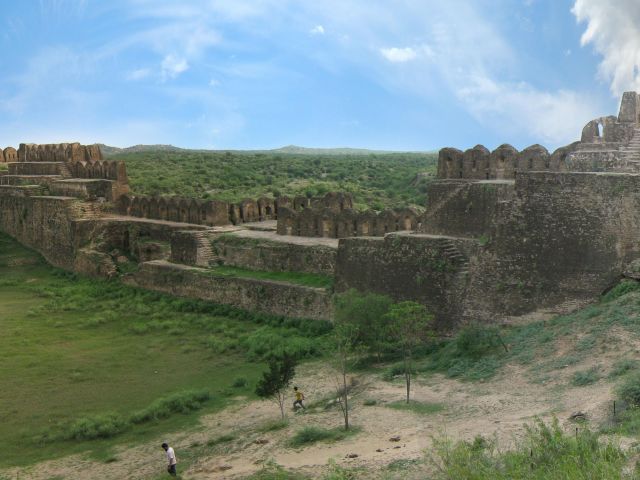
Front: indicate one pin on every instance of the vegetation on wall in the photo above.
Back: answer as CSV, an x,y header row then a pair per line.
x,y
377,180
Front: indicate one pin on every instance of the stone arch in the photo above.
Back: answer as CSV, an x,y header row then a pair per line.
x,y
154,208
475,162
300,203
10,155
533,158
503,162
136,208
173,209
112,169
183,208
124,204
163,209
449,163
144,207
194,212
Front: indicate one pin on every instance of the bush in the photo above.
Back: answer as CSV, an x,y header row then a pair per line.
x,y
182,402
417,407
621,367
624,287
97,426
309,435
475,341
240,382
585,377
629,390
545,453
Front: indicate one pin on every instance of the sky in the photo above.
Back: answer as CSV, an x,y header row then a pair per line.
x,y
258,74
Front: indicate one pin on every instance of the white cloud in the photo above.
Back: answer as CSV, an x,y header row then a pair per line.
x,y
317,30
398,55
173,66
139,74
553,117
613,28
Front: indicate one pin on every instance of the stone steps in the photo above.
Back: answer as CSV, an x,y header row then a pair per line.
x,y
454,255
85,211
205,256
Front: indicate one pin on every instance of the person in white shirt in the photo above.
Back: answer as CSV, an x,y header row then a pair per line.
x,y
171,458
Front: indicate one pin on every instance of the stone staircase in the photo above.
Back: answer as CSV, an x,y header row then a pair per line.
x,y
85,210
455,256
205,256
631,152
64,171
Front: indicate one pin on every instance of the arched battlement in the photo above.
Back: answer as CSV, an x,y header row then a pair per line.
x,y
475,163
533,159
450,163
10,154
503,161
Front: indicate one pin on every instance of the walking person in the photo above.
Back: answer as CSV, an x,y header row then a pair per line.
x,y
171,458
299,398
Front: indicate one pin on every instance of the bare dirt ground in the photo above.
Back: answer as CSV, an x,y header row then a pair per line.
x,y
498,407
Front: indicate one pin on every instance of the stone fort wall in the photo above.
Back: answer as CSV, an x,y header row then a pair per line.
x,y
333,216
199,212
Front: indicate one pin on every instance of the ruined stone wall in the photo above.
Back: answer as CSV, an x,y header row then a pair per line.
x,y
427,269
571,235
265,255
478,163
272,297
41,223
200,212
465,209
324,222
61,152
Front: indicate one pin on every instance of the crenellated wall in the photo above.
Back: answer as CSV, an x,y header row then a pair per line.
x,y
324,222
199,212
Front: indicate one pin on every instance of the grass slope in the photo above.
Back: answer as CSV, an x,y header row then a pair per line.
x,y
75,349
377,180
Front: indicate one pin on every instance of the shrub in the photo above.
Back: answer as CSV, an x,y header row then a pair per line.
x,y
475,341
417,407
545,453
629,390
309,435
585,377
97,426
240,382
623,366
624,287
181,402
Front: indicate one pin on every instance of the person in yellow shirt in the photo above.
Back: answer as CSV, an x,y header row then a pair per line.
x,y
299,398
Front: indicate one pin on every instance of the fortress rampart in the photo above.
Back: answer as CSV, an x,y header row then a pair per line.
x,y
505,232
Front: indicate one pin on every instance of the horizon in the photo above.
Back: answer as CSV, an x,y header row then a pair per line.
x,y
263,74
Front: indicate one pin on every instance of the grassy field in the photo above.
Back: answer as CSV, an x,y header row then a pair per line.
x,y
298,278
377,180
74,349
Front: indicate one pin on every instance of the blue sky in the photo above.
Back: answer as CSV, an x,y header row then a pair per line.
x,y
245,74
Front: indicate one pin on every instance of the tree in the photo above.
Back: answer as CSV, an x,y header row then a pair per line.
x,y
366,311
410,325
277,379
345,336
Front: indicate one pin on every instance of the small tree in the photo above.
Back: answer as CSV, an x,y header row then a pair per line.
x,y
410,325
277,379
367,312
345,335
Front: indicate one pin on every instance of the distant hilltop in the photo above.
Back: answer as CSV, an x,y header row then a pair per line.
x,y
289,150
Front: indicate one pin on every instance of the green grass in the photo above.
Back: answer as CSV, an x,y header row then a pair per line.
x,y
298,278
273,426
545,453
310,435
583,378
378,180
417,407
89,357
